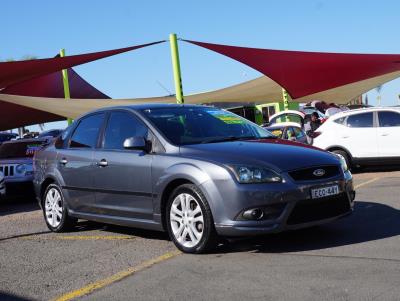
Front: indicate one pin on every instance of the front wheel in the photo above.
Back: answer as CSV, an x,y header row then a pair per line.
x,y
55,211
189,220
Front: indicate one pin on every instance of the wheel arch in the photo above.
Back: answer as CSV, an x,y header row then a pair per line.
x,y
170,187
341,148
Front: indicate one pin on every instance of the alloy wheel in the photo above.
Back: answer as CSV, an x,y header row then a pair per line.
x,y
53,207
186,219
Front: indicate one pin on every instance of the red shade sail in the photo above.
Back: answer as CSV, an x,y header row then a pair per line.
x,y
50,85
304,73
14,72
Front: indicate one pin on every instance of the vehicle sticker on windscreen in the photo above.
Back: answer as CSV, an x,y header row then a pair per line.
x,y
226,117
31,149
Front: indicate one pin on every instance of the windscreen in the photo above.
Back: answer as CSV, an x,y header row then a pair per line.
x,y
195,125
19,149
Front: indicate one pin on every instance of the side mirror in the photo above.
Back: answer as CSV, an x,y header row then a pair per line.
x,y
135,143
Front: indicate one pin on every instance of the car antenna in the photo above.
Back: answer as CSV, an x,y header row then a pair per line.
x,y
163,87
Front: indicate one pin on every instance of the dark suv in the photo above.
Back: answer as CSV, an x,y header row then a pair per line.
x,y
16,164
197,172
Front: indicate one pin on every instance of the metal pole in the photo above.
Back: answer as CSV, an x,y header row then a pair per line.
x,y
286,98
64,72
176,68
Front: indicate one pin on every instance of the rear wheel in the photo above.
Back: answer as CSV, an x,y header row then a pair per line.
x,y
189,220
55,211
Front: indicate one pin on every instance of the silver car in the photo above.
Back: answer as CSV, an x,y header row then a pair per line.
x,y
197,172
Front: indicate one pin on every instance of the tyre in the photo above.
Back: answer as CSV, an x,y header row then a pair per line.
x,y
55,211
344,155
189,220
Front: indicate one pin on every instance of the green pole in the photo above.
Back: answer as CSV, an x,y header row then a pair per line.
x,y
176,67
286,99
64,72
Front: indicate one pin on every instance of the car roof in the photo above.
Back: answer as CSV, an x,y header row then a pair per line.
x,y
283,124
139,107
364,110
293,112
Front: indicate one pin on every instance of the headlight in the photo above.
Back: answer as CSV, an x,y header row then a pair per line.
x,y
249,174
21,168
343,162
24,169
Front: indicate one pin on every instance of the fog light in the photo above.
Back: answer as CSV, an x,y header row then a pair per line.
x,y
254,214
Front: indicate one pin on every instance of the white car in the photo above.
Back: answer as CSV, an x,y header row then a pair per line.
x,y
2,185
365,136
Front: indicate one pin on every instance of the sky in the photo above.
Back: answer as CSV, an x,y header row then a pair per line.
x,y
41,28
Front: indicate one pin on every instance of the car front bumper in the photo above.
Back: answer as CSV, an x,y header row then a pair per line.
x,y
296,208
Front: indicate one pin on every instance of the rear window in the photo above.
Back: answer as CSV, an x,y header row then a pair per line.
x,y
19,149
364,120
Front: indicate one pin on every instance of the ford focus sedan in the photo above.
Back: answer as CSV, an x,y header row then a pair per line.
x,y
198,172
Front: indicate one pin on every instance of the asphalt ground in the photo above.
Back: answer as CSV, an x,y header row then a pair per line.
x,y
355,258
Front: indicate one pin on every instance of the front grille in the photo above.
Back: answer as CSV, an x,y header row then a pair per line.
x,y
7,170
312,210
307,174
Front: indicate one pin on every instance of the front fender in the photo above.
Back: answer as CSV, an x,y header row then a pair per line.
x,y
201,174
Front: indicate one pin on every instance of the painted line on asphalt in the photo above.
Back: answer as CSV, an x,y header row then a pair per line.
x,y
79,237
367,182
90,288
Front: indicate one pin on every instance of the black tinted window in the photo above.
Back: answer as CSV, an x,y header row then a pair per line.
x,y
387,119
363,120
20,149
122,125
85,135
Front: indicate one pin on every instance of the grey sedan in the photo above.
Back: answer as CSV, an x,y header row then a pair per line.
x,y
197,172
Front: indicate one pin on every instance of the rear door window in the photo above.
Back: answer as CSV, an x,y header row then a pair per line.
x,y
362,120
388,119
87,132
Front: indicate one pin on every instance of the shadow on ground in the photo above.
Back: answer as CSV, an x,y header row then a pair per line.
x,y
369,221
372,169
18,205
10,297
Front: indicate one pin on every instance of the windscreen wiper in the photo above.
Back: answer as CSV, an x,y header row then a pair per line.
x,y
232,138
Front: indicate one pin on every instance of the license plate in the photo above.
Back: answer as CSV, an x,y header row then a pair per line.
x,y
324,191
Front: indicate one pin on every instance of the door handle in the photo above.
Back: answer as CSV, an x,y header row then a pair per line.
x,y
102,163
63,161
345,136
385,134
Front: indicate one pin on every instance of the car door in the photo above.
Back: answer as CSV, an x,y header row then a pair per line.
x,y
389,133
123,177
75,163
360,135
